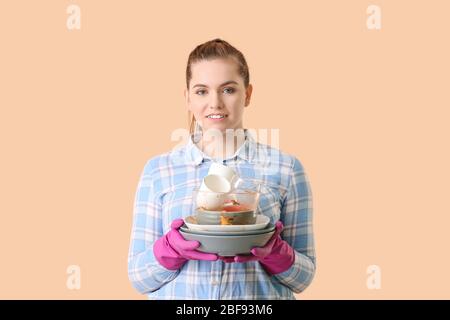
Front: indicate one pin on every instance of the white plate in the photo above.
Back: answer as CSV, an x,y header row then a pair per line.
x,y
261,222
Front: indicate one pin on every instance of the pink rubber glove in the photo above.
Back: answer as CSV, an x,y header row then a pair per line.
x,y
172,251
276,256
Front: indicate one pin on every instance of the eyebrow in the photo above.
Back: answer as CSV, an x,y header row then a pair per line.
x,y
223,84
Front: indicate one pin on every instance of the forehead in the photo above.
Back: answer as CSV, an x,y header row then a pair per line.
x,y
214,72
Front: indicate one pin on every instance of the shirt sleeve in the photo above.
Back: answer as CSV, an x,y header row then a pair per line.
x,y
296,215
144,272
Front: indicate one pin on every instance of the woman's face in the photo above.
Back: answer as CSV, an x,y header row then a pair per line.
x,y
217,95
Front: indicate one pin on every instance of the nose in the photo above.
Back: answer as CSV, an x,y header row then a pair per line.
x,y
215,102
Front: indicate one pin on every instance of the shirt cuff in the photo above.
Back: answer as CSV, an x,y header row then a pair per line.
x,y
147,275
299,275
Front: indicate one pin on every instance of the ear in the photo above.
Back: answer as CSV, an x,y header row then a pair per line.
x,y
248,95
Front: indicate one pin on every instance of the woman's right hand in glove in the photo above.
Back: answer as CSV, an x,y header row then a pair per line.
x,y
172,251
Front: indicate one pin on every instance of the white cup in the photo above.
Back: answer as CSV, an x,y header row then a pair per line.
x,y
215,183
212,192
223,171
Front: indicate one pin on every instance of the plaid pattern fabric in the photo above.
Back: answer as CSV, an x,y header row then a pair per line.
x,y
164,193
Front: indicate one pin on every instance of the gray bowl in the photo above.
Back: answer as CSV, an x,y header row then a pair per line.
x,y
228,245
269,228
216,217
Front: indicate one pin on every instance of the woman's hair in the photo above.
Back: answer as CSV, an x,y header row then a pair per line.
x,y
215,49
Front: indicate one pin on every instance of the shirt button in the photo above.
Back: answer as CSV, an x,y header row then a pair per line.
x,y
214,282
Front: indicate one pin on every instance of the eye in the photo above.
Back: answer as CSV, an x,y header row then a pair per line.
x,y
199,92
231,90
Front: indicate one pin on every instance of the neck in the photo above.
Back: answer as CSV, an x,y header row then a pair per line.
x,y
221,144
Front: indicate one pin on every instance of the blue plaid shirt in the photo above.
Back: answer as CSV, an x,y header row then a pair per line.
x,y
164,193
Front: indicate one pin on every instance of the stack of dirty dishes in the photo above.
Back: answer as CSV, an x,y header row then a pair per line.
x,y
225,221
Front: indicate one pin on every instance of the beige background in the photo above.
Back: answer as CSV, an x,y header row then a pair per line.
x,y
365,111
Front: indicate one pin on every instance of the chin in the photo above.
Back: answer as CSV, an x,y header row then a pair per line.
x,y
216,127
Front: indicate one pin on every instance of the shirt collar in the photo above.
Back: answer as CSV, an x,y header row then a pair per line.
x,y
196,156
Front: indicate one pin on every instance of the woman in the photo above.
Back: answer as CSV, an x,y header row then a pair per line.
x,y
161,263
